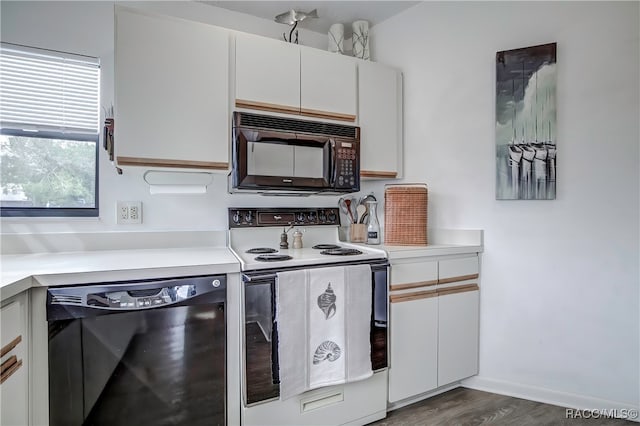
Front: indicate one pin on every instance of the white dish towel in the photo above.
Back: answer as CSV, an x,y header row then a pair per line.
x,y
324,323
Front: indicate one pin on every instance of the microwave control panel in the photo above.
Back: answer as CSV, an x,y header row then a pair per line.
x,y
253,217
347,168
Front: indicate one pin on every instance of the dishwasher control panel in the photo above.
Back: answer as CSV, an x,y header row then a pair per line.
x,y
131,295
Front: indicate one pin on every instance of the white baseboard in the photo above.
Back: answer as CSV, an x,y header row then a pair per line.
x,y
548,396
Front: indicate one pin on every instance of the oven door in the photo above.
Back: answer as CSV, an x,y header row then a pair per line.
x,y
281,160
261,368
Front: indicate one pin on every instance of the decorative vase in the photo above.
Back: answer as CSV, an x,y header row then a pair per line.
x,y
360,40
336,38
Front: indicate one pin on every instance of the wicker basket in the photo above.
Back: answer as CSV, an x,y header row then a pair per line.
x,y
405,215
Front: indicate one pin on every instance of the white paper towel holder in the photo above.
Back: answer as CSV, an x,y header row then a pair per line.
x,y
166,182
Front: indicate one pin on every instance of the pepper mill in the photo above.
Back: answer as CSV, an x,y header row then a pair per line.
x,y
284,244
297,239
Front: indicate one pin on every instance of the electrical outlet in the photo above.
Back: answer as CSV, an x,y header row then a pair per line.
x,y
128,212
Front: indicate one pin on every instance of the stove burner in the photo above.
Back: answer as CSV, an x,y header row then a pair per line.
x,y
326,247
260,250
273,257
341,252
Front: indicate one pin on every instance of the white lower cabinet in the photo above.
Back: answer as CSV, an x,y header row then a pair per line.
x,y
434,316
414,347
14,378
457,336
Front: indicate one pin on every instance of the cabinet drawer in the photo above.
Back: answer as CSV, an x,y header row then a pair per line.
x,y
459,269
413,275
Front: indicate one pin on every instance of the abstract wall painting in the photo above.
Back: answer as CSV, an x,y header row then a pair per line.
x,y
526,128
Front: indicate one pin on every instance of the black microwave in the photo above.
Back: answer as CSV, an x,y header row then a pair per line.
x,y
278,154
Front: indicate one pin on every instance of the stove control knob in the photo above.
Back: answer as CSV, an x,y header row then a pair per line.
x,y
248,216
332,217
312,216
300,217
322,216
236,217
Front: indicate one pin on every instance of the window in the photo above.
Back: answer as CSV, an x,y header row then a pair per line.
x,y
49,132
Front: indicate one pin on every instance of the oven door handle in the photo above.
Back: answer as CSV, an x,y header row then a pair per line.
x,y
258,278
253,277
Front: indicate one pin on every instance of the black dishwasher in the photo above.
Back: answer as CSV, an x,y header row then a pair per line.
x,y
146,352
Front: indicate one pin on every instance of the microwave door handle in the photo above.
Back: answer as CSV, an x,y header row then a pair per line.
x,y
332,162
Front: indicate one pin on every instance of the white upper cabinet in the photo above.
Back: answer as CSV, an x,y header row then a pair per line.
x,y
380,120
267,74
327,85
171,92
276,76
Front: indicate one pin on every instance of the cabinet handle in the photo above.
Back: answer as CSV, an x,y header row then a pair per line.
x,y
161,162
407,297
377,174
9,346
326,114
458,289
459,278
9,367
413,285
265,106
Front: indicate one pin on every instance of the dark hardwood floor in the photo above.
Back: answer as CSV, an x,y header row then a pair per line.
x,y
471,407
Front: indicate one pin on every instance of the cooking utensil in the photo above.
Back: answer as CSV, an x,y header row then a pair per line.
x,y
345,205
360,210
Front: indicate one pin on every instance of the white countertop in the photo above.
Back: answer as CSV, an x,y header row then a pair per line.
x,y
23,271
404,252
442,242
101,262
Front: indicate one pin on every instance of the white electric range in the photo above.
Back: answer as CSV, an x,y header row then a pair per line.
x,y
255,236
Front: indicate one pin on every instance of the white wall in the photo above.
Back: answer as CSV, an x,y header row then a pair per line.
x,y
560,299
86,27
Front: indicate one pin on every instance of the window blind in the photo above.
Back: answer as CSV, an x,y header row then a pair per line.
x,y
48,91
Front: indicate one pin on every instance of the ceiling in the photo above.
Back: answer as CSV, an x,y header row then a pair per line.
x,y
329,12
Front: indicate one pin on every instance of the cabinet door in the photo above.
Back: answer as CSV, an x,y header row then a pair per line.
x,y
414,350
380,120
14,389
171,92
267,74
327,85
457,336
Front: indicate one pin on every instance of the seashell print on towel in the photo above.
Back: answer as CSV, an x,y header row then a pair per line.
x,y
327,302
327,350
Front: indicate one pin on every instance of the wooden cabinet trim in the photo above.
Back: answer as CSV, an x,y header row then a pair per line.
x,y
407,297
458,289
459,278
413,285
378,174
182,164
9,346
328,115
10,370
8,363
265,106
